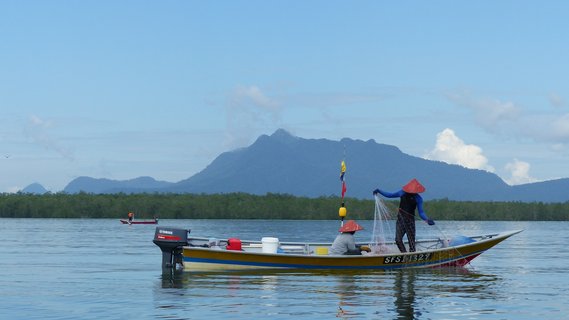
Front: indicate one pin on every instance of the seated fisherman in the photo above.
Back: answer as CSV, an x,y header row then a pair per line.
x,y
345,244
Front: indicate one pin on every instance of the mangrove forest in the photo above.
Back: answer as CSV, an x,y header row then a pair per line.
x,y
248,206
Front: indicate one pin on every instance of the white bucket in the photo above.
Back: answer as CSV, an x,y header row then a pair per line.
x,y
270,245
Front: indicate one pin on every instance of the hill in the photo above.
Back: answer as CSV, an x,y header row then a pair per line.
x,y
137,185
34,188
283,163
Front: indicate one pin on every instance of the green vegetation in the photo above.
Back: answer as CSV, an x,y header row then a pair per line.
x,y
247,206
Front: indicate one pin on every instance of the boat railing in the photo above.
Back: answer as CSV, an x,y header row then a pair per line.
x,y
321,248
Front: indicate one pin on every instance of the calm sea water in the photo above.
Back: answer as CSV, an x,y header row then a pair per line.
x,y
100,269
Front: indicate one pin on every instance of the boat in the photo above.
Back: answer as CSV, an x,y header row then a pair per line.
x,y
125,221
197,254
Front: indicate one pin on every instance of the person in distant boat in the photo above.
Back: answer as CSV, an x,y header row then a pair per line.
x,y
345,243
410,199
130,217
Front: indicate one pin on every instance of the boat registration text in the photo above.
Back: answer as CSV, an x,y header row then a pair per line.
x,y
407,258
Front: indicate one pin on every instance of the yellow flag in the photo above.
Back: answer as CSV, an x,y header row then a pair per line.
x,y
342,171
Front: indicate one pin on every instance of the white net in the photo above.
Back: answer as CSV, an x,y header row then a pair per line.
x,y
380,227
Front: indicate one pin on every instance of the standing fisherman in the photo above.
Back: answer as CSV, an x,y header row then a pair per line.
x,y
409,201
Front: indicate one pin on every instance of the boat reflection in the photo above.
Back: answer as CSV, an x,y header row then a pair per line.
x,y
399,294
413,288
265,279
404,290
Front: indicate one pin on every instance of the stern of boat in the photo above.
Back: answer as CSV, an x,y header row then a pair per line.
x,y
171,241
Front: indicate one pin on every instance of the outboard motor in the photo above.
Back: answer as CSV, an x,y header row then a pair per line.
x,y
171,241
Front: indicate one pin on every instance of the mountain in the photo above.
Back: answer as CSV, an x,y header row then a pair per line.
x,y
546,191
283,163
34,188
137,185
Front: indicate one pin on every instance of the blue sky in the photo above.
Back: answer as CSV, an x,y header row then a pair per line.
x,y
122,89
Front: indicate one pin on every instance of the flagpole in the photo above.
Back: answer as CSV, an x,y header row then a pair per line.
x,y
342,212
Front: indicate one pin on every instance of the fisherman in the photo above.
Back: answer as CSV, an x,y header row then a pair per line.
x,y
409,201
345,244
130,217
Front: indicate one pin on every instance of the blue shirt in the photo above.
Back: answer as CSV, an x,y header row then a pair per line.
x,y
418,198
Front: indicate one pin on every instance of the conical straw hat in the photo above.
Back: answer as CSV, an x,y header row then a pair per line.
x,y
413,186
350,226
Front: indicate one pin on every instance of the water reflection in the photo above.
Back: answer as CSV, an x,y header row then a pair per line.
x,y
402,294
465,283
415,291
404,289
179,279
347,289
174,279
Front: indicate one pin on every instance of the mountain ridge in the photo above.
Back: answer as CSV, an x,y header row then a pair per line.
x,y
283,163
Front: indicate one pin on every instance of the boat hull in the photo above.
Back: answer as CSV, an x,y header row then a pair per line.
x,y
124,221
199,259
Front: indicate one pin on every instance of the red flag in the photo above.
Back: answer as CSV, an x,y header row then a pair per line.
x,y
343,188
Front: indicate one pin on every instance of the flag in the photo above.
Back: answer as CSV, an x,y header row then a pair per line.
x,y
342,170
342,173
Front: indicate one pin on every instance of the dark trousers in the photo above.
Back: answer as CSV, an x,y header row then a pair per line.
x,y
405,225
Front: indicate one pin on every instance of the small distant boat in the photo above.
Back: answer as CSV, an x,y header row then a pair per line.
x,y
153,221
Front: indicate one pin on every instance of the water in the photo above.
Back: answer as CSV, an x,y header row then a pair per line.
x,y
100,269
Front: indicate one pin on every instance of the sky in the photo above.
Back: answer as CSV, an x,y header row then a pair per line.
x,y
123,89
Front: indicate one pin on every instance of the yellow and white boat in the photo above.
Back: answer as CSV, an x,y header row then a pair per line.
x,y
209,255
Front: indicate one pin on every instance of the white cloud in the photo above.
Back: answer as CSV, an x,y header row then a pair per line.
x,y
549,125
560,127
519,172
556,100
489,113
38,131
451,149
250,112
253,96
553,129
558,147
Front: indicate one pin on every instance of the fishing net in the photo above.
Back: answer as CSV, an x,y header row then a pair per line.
x,y
380,226
383,225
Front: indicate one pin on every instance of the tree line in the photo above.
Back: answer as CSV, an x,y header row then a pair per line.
x,y
248,206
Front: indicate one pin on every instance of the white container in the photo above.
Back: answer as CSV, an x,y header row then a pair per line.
x,y
270,245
